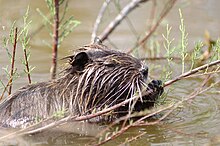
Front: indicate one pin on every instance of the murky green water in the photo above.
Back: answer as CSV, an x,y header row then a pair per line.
x,y
197,123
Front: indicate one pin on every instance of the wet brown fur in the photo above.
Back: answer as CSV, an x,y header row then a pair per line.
x,y
96,78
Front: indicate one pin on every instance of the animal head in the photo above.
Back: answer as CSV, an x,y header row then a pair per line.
x,y
105,77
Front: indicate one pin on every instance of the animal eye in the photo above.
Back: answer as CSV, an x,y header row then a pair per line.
x,y
110,65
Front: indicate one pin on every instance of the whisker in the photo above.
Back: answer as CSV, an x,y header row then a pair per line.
x,y
118,96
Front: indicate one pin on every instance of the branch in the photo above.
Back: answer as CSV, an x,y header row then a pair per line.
x,y
153,28
203,67
99,19
167,8
5,88
159,58
152,14
124,12
27,65
132,139
55,39
13,60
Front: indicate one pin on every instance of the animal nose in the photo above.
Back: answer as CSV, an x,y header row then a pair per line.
x,y
144,71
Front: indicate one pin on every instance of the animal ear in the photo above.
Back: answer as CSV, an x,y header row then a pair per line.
x,y
79,61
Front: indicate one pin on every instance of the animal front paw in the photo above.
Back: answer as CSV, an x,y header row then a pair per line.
x,y
156,86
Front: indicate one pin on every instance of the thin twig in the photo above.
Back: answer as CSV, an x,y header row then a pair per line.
x,y
159,58
124,12
180,132
164,12
99,19
202,74
133,138
27,65
128,21
13,60
55,40
203,67
152,14
167,8
5,88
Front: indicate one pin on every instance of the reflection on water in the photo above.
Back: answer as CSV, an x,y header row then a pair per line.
x,y
195,124
68,133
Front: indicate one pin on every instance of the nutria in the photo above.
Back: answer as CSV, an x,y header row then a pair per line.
x,y
96,78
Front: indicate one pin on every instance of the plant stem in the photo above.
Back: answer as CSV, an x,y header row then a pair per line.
x,y
13,60
191,72
184,42
5,89
99,19
55,39
124,12
153,28
27,65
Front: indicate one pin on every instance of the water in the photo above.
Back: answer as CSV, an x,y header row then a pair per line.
x,y
196,123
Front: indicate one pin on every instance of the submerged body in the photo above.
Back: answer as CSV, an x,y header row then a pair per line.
x,y
96,78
